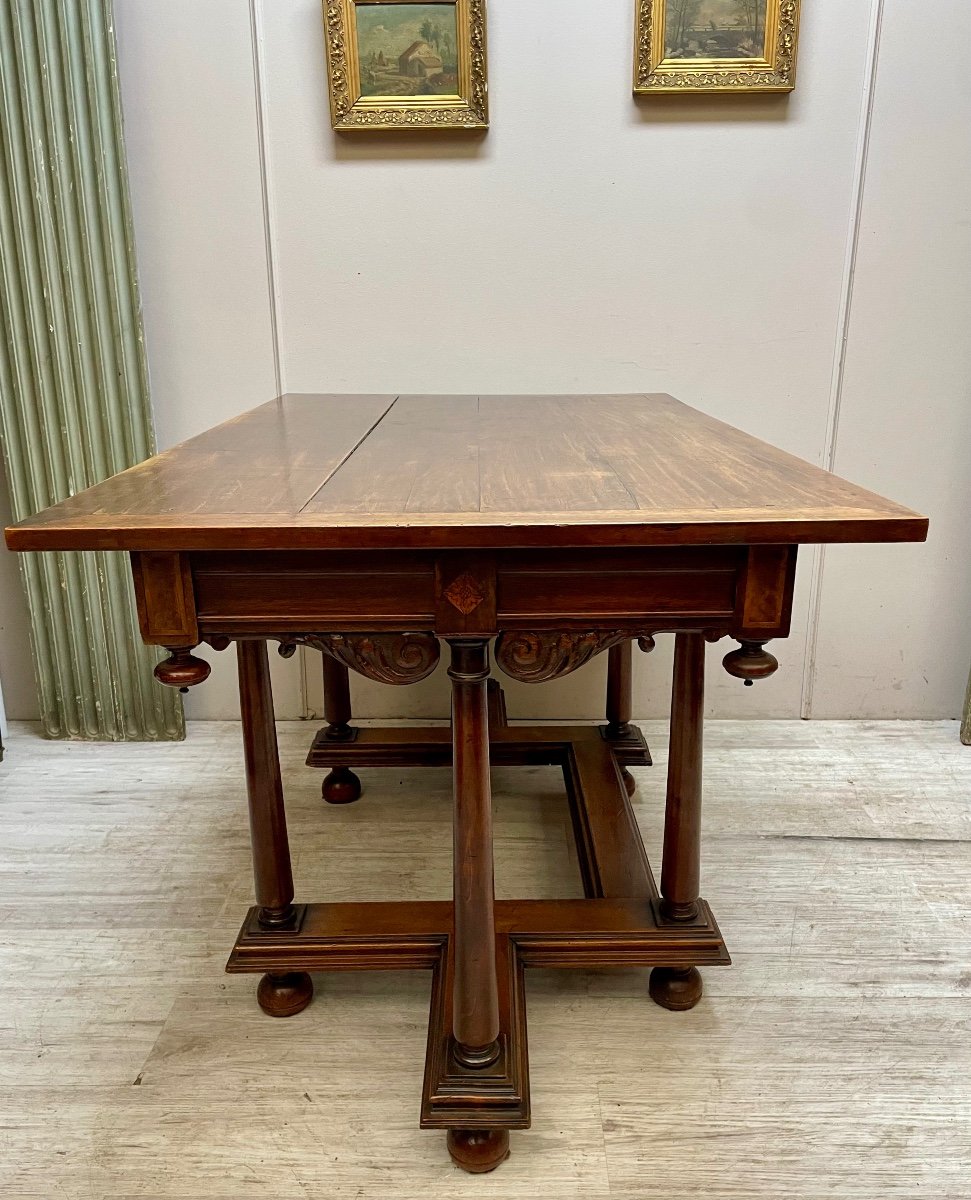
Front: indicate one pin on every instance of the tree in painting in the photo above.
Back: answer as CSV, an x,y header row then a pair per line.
x,y
714,28
681,16
751,16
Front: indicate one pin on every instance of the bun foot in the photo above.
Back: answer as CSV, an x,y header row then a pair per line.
x,y
285,995
478,1150
629,781
341,786
676,988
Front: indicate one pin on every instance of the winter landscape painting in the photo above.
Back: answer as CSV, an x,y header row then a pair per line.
x,y
715,28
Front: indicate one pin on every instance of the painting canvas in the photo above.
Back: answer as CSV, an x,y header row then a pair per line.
x,y
715,29
685,46
407,49
394,64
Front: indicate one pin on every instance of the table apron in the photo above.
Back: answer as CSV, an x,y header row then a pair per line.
x,y
186,597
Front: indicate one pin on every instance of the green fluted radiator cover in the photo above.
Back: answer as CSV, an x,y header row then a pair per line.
x,y
74,400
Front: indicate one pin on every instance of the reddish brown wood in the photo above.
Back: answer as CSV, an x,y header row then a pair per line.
x,y
478,1150
337,700
475,1015
681,867
765,593
619,687
497,707
165,599
676,988
279,995
264,786
489,1096
619,691
465,595
594,471
285,995
579,591
579,521
182,669
536,657
415,935
394,658
341,785
611,853
751,661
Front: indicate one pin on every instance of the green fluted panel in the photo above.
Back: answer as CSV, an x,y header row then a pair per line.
x,y
74,400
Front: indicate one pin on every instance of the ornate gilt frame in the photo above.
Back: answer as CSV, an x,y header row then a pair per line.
x,y
654,74
351,111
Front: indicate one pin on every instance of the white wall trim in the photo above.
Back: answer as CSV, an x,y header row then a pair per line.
x,y
831,444
269,233
269,209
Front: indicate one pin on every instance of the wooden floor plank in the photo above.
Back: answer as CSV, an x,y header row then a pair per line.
x,y
833,1059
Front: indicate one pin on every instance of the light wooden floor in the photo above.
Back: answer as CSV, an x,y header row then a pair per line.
x,y
832,1060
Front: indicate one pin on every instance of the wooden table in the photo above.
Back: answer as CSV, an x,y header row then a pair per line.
x,y
376,528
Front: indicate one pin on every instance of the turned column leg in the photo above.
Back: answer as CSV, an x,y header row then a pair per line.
x,y
341,785
680,988
287,994
475,997
619,704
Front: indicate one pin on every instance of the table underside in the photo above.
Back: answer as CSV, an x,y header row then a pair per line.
x,y
619,923
393,617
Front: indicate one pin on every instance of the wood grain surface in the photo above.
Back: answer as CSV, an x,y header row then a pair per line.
x,y
832,1060
315,472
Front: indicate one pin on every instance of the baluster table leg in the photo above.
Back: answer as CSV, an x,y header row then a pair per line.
x,y
341,785
278,995
475,1000
619,702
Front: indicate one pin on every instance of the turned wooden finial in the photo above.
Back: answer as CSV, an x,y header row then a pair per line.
x,y
646,643
182,669
751,661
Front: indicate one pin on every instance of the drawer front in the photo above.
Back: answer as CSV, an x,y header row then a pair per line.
x,y
618,586
314,591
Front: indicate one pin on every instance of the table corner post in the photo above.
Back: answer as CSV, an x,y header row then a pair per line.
x,y
680,987
279,995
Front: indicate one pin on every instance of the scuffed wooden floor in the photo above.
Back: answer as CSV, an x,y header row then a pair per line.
x,y
832,1060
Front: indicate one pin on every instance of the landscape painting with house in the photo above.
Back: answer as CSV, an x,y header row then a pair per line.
x,y
407,49
715,28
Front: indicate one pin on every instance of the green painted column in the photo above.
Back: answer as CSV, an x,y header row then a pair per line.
x,y
74,400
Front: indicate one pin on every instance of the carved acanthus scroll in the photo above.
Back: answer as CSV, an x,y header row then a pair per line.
x,y
540,657
395,658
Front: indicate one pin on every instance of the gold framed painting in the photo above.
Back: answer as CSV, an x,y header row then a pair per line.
x,y
715,46
407,64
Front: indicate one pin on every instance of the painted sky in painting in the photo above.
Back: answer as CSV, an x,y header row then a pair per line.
x,y
391,28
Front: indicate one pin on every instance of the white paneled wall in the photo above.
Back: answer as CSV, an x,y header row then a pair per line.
x,y
724,250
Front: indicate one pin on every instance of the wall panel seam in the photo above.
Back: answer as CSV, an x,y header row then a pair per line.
x,y
844,320
266,193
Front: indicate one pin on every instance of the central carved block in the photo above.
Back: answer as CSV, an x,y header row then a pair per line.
x,y
464,594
